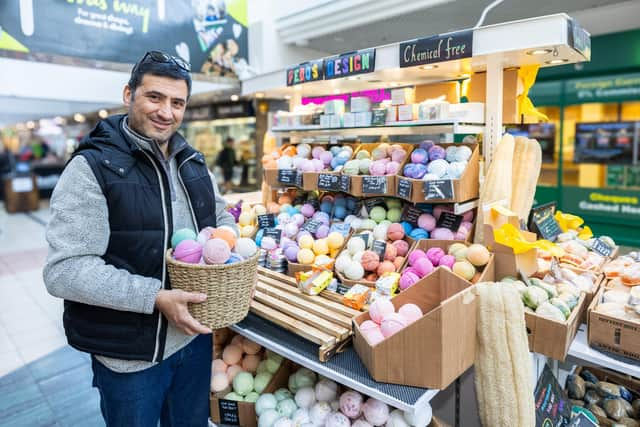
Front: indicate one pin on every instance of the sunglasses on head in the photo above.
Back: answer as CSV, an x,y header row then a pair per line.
x,y
161,57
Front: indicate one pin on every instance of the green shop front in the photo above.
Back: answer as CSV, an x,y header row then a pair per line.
x,y
591,143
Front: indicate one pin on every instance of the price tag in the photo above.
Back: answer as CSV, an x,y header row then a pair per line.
x,y
229,412
581,420
410,214
345,183
449,220
439,189
273,233
543,223
329,182
266,221
374,184
287,176
341,227
364,237
369,204
315,203
379,247
299,177
404,188
601,248
311,226
342,289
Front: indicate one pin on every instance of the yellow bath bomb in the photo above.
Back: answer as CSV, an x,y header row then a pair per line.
x,y
259,210
247,231
478,255
305,242
335,240
453,249
464,269
245,218
320,247
306,256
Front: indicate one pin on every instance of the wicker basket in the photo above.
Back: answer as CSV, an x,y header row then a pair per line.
x,y
228,288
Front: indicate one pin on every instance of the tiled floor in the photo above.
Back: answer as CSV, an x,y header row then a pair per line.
x,y
43,381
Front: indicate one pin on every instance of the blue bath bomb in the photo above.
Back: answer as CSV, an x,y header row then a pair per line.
x,y
326,206
259,235
419,234
408,228
340,212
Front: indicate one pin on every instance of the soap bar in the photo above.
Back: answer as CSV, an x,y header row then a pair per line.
x,y
356,297
334,106
363,118
336,121
404,95
325,121
392,114
349,120
407,113
360,104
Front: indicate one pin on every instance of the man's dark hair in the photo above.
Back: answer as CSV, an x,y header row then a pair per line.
x,y
161,69
229,139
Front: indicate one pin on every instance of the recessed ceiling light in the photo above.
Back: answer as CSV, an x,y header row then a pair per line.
x,y
78,118
287,97
539,51
353,78
103,114
428,67
235,97
59,120
557,61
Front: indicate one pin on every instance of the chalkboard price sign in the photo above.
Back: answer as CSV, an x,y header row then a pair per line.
x,y
449,220
543,223
601,248
311,226
345,183
374,184
404,188
299,180
287,176
328,182
273,233
440,189
229,412
410,214
266,221
380,247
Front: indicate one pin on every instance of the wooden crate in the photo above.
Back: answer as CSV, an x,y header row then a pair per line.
x,y
321,319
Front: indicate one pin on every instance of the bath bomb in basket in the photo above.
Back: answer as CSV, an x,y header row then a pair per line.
x,y
189,251
216,251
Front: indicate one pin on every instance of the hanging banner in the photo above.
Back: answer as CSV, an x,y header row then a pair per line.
x,y
619,88
350,64
210,34
310,71
440,48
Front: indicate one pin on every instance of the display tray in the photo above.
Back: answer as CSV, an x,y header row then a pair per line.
x,y
345,368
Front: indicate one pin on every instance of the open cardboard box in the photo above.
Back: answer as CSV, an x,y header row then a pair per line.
x,y
612,334
465,188
507,262
310,179
357,180
433,351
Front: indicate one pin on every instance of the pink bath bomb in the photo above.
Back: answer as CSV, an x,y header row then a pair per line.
x,y
395,232
373,336
307,210
370,261
368,325
188,251
447,261
415,255
426,222
411,270
466,225
305,166
290,230
461,235
398,154
318,166
423,266
434,255
375,412
392,323
392,168
204,235
437,211
232,371
219,366
402,247
379,309
317,152
216,251
408,279
377,168
326,157
410,312
232,354
442,234
467,216
219,382
351,404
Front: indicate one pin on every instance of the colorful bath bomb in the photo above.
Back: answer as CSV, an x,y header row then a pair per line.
x,y
322,231
323,217
291,252
407,227
354,271
290,230
391,324
378,213
351,404
408,279
392,168
398,154
438,167
205,234
434,255
305,241
426,222
232,354
335,240
419,234
394,214
182,234
478,255
216,251
437,153
415,255
219,382
320,247
442,234
326,158
250,347
395,232
390,253
380,308
386,267
464,269
402,247
268,243
232,371
420,155
225,234
317,151
447,261
398,262
370,261
218,366
423,266
377,168
188,251
410,312
307,210
355,245
306,256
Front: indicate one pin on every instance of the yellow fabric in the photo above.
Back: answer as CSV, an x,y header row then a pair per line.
x,y
510,236
528,75
573,222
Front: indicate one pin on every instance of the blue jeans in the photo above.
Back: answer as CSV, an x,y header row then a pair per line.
x,y
175,391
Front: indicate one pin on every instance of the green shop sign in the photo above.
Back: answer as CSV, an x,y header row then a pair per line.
x,y
610,204
622,87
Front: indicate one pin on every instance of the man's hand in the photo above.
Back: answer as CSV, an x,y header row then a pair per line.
x,y
173,304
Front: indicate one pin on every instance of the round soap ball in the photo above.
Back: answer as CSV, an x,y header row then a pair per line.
x,y
268,243
423,266
225,234
419,234
386,267
219,366
478,255
379,308
216,251
219,382
410,312
394,214
351,404
322,231
307,210
232,354
434,255
305,241
415,255
370,261
182,234
447,261
320,247
395,232
392,323
402,247
246,247
398,262
408,279
464,269
335,240
250,363
354,271
232,371
390,253
426,222
378,213
188,251
243,383
375,412
442,234
436,153
355,245
306,256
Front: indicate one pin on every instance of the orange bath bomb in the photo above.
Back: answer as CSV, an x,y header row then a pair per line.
x,y
398,262
395,231
285,199
250,363
232,354
226,235
386,267
370,261
371,277
219,366
390,253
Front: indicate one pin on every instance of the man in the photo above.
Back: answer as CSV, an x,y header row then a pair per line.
x,y
131,183
226,161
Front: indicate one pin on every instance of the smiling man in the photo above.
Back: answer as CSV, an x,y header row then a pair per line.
x,y
132,182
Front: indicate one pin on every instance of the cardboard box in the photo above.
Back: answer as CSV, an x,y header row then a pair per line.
x,y
21,194
512,87
508,263
449,90
630,383
403,95
612,334
433,110
325,121
470,112
360,104
407,112
334,106
433,351
349,120
357,180
465,188
363,118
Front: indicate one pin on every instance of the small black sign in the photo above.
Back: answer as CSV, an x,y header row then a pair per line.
x,y
349,64
364,237
449,220
379,247
379,117
315,203
440,48
328,182
342,289
581,420
229,412
299,179
310,71
440,189
601,248
404,188
311,226
579,39
266,221
373,202
345,183
287,176
410,214
374,184
543,223
274,233
553,408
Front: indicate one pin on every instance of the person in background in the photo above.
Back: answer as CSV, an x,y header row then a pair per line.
x,y
131,183
226,161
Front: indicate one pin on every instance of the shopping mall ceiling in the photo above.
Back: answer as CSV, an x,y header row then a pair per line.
x,y
433,17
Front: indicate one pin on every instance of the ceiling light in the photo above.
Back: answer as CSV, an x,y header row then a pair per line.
x,y
557,61
428,67
31,124
235,97
259,95
287,97
353,78
78,118
59,120
103,114
539,51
